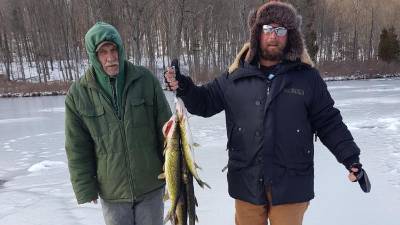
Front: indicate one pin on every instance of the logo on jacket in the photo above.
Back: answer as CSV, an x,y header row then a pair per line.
x,y
294,91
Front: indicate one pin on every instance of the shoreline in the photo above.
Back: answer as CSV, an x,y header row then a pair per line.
x,y
326,79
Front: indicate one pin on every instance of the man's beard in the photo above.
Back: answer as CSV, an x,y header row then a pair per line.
x,y
271,55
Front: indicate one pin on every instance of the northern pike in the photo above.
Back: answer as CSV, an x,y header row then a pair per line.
x,y
187,144
180,167
172,165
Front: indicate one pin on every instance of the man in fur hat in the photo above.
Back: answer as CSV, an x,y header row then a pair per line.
x,y
274,102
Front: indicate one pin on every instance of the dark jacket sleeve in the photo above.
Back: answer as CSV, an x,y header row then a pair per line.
x,y
206,100
327,121
80,153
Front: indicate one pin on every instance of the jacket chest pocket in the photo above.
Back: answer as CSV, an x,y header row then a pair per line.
x,y
235,146
95,120
140,112
304,144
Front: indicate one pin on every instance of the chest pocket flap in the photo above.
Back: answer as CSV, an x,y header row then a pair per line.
x,y
95,120
141,111
92,111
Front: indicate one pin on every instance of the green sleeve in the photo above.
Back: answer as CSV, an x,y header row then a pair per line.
x,y
163,112
80,153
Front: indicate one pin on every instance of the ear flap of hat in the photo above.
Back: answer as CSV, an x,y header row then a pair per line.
x,y
295,45
251,18
254,43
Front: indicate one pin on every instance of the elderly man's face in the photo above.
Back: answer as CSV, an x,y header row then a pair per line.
x,y
108,57
272,45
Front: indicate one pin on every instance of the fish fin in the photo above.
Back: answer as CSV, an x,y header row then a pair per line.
x,y
171,216
167,218
195,202
197,218
202,183
225,168
161,176
197,166
165,148
196,144
166,196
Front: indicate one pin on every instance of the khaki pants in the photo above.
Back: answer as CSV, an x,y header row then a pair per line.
x,y
286,214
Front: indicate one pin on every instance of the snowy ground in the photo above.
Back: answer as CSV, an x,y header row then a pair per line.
x,y
35,187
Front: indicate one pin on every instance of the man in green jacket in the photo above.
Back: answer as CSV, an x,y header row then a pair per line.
x,y
113,128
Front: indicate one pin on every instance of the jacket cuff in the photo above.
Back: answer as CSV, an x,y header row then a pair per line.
x,y
184,85
351,160
87,198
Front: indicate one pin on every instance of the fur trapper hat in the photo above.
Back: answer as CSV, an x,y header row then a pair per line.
x,y
280,13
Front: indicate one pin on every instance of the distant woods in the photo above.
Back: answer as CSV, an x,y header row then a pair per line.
x,y
41,36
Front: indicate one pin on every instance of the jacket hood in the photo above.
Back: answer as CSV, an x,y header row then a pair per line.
x,y
240,58
97,34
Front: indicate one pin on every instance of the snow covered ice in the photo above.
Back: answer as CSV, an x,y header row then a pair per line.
x,y
35,187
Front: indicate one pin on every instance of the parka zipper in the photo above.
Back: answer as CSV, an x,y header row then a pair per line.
x,y
121,128
127,162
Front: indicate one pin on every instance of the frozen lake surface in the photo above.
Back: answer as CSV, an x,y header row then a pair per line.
x,y
35,187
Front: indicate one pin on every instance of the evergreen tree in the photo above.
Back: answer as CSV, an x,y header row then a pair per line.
x,y
389,46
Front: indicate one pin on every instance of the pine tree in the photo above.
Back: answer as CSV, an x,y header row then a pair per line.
x,y
389,46
395,43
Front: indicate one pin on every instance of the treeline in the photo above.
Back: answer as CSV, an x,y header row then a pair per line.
x,y
47,35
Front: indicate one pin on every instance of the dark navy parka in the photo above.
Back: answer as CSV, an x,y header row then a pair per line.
x,y
270,127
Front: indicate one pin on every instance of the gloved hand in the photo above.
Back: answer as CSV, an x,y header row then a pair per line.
x,y
173,76
357,173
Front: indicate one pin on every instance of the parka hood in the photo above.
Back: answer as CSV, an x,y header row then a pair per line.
x,y
97,34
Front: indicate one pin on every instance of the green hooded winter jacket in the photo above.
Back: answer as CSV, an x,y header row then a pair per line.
x,y
116,158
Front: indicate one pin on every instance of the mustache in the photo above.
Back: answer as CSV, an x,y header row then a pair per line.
x,y
112,64
273,44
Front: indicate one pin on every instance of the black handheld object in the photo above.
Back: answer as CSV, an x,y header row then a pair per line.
x,y
364,182
362,177
175,65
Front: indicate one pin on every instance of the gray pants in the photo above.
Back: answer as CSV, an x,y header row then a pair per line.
x,y
148,211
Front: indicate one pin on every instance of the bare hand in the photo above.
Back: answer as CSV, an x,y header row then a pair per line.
x,y
352,177
171,82
94,201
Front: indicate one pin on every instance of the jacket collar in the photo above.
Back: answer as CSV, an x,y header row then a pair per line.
x,y
89,80
248,70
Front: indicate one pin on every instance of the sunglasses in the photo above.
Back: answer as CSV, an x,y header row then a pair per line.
x,y
279,31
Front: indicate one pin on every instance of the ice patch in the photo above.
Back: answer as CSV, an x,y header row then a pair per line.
x,y
60,109
23,138
362,101
390,123
2,182
46,165
20,120
340,87
377,90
